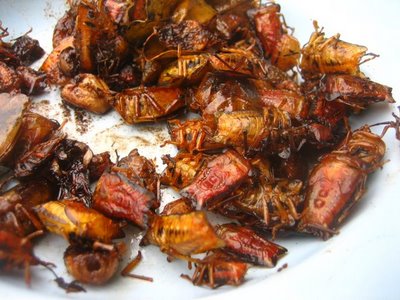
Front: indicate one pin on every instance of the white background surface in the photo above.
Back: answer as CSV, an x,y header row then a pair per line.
x,y
362,262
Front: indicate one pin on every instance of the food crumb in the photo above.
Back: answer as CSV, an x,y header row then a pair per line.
x,y
284,266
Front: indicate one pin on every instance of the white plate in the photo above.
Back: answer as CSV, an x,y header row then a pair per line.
x,y
360,263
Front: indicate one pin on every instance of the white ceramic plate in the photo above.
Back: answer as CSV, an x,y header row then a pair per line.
x,y
360,263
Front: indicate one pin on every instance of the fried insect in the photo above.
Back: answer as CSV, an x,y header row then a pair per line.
x,y
16,207
142,104
217,179
130,190
17,252
282,48
72,219
178,207
337,182
88,92
181,169
182,235
95,264
12,110
330,55
275,202
245,245
218,269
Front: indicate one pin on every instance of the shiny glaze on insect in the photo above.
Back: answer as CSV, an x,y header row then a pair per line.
x,y
337,182
244,244
71,219
183,235
218,179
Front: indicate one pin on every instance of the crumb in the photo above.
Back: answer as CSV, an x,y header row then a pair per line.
x,y
284,266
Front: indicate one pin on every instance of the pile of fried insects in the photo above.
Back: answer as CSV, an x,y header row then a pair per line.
x,y
267,150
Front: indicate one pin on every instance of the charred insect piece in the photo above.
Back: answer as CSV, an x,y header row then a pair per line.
x,y
119,197
173,39
337,182
32,82
51,65
72,219
218,179
12,110
245,245
98,165
181,169
27,49
324,56
144,104
16,206
283,49
180,206
69,170
64,28
93,264
354,91
88,92
218,269
182,235
99,47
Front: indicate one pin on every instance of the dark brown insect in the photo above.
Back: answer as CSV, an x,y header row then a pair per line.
x,y
337,182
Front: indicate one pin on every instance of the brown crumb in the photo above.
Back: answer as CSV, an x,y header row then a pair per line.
x,y
284,266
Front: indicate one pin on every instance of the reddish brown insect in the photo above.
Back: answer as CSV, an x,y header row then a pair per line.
x,y
17,252
95,264
218,269
218,178
337,182
245,245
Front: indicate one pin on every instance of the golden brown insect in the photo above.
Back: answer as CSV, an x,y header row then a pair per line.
x,y
218,269
181,169
71,219
337,182
330,55
88,92
192,135
218,179
142,104
182,235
